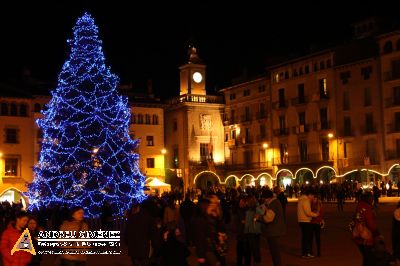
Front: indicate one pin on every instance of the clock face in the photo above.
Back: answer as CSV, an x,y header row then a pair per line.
x,y
197,77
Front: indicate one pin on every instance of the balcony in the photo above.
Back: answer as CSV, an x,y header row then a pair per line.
x,y
261,115
390,75
248,166
327,125
195,98
261,138
368,130
232,143
281,132
281,104
392,154
392,102
393,128
299,100
301,129
297,159
248,140
245,118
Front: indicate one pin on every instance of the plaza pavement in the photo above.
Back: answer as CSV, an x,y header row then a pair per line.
x,y
337,246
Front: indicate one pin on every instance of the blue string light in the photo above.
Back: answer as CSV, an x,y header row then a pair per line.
x,y
87,154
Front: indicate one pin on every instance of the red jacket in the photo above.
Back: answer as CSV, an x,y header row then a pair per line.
x,y
8,239
367,216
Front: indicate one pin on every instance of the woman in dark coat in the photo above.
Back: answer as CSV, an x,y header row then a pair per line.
x,y
173,252
396,233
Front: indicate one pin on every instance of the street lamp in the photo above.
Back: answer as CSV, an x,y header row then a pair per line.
x,y
163,151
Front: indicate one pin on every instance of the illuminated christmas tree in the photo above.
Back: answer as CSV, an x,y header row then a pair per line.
x,y
87,154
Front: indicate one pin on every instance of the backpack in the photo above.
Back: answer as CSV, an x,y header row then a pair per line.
x,y
358,227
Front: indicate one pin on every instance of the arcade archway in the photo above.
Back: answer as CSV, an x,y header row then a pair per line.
x,y
305,176
13,195
206,180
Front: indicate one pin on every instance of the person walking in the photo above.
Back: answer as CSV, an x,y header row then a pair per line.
x,y
76,224
396,233
304,216
273,216
252,231
317,224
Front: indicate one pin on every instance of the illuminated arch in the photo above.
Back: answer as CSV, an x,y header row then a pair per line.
x,y
287,170
325,167
252,177
270,176
348,172
25,200
210,172
303,168
230,176
391,167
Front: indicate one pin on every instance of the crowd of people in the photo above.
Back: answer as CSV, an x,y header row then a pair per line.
x,y
164,230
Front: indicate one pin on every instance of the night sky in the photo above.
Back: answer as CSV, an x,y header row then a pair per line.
x,y
149,41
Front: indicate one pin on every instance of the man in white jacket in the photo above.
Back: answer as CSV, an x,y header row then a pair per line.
x,y
304,216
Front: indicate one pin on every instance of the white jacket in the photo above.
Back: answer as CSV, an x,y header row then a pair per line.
x,y
304,213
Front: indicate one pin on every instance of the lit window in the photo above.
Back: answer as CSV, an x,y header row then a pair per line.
x,y
150,140
150,163
11,166
11,135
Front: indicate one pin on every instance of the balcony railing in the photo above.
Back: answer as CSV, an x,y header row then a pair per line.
x,y
308,158
232,143
391,102
246,118
393,128
322,126
368,130
281,104
299,100
392,154
261,115
390,75
300,129
195,98
281,132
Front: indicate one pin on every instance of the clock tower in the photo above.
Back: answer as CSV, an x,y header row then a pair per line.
x,y
193,75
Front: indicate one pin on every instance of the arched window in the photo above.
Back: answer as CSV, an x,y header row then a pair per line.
x,y
37,108
155,119
133,119
148,119
140,119
388,47
13,109
23,110
4,109
398,45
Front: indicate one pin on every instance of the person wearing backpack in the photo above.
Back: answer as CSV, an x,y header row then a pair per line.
x,y
365,229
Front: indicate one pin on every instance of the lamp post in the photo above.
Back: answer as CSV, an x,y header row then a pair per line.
x,y
330,136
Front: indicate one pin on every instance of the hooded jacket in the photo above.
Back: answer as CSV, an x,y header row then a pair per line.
x,y
9,237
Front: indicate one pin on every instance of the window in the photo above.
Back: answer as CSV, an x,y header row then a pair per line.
x,y
366,72
175,157
175,125
371,150
233,134
345,76
323,91
347,150
323,115
322,65
23,110
148,119
261,88
263,132
232,96
247,115
226,137
37,108
283,152
140,119
369,123
307,69
150,163
315,67
325,149
388,47
286,74
203,151
11,167
247,135
302,118
347,126
4,109
13,110
301,71
282,97
11,135
155,119
232,116
303,150
282,124
367,96
397,121
276,77
133,119
246,92
262,109
328,63
149,140
396,95
346,101
396,69
295,73
300,93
